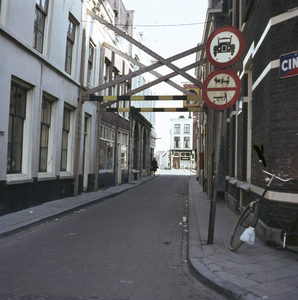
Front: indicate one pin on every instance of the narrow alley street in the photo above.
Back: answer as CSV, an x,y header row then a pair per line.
x,y
127,247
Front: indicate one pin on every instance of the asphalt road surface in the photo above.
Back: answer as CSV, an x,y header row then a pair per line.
x,y
127,247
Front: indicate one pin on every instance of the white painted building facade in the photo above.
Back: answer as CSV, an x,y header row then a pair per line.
x,y
181,142
40,79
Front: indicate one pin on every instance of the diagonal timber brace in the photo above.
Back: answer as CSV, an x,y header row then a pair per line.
x,y
162,61
154,82
154,73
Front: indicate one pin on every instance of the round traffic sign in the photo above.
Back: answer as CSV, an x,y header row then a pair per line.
x,y
221,89
224,46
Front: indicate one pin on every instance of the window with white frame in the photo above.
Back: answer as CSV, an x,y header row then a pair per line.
x,y
41,10
121,105
176,142
186,128
186,142
65,137
106,75
177,129
115,75
127,103
90,63
121,92
17,115
71,30
123,140
106,151
44,134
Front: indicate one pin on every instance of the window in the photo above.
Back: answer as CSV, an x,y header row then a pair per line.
x,y
144,150
71,29
115,75
106,75
176,129
126,103
186,142
121,105
176,142
41,10
186,128
15,131
106,151
65,133
90,62
44,135
123,140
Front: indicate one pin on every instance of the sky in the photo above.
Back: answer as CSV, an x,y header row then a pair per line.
x,y
169,27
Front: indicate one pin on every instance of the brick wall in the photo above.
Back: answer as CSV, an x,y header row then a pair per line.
x,y
274,109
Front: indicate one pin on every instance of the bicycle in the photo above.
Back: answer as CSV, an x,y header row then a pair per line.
x,y
244,230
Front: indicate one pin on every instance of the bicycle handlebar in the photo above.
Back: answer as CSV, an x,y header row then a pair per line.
x,y
273,175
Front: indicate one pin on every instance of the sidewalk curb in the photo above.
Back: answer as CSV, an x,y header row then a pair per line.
x,y
46,217
225,288
196,265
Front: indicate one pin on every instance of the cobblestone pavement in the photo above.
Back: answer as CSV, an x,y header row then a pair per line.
x,y
130,246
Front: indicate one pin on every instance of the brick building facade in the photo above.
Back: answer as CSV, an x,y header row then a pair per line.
x,y
266,112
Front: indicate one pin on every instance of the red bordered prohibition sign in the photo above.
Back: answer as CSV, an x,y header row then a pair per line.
x,y
221,89
224,46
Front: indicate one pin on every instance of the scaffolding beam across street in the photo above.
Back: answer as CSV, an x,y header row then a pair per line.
x,y
161,61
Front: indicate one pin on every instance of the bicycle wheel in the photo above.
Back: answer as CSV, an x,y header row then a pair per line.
x,y
244,221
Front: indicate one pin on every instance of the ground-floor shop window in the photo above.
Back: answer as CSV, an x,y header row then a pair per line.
x,y
123,140
106,149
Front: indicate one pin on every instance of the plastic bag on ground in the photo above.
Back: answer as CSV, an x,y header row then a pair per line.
x,y
248,236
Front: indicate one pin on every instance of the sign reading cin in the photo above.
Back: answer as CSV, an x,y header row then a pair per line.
x,y
288,65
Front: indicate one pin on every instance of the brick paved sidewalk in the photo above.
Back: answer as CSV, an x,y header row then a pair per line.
x,y
251,272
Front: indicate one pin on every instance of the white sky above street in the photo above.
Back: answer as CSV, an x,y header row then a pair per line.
x,y
175,36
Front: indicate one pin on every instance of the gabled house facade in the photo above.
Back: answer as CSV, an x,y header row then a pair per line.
x,y
181,141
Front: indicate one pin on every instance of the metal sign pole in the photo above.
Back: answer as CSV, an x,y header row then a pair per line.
x,y
214,198
221,90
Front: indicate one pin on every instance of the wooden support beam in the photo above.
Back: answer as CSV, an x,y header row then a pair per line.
x,y
144,48
164,78
145,98
152,83
154,73
80,109
154,109
162,61
144,70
